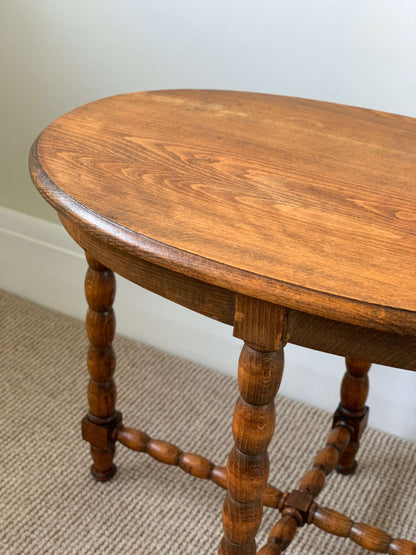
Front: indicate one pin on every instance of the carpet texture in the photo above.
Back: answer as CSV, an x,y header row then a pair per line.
x,y
50,503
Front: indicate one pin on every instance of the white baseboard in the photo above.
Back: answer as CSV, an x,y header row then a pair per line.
x,y
40,262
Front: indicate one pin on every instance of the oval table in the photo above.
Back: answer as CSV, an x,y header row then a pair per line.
x,y
291,220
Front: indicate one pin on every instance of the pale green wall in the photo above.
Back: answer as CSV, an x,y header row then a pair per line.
x,y
57,54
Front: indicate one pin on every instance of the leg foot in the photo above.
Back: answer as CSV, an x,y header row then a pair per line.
x,y
103,468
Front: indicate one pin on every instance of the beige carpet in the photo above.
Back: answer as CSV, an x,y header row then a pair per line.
x,y
50,504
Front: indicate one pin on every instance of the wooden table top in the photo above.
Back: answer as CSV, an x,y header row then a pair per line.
x,y
308,204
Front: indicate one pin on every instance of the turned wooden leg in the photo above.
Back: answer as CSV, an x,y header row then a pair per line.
x,y
352,411
259,374
99,425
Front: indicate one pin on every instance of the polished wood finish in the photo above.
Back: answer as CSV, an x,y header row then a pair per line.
x,y
280,535
102,416
303,329
369,537
260,369
325,461
247,170
191,463
352,411
298,507
290,220
209,300
339,338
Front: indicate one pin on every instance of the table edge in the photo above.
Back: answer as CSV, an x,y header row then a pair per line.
x,y
327,305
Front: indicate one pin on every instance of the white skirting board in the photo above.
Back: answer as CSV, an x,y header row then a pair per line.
x,y
40,262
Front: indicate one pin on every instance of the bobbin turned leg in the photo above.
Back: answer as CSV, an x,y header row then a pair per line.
x,y
260,369
352,411
98,427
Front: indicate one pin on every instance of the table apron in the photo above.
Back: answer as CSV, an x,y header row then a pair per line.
x,y
306,330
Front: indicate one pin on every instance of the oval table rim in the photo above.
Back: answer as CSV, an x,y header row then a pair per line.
x,y
290,295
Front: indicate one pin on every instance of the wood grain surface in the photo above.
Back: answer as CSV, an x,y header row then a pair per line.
x,y
302,203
